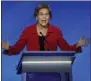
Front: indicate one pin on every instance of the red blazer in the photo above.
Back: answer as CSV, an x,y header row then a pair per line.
x,y
29,37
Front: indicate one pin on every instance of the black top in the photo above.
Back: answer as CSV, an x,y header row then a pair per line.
x,y
41,43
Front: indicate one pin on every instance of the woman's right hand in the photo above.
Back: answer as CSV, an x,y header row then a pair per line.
x,y
5,45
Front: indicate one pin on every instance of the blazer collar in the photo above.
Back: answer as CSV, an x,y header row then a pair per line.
x,y
34,30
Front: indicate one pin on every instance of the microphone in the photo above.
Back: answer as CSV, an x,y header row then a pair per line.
x,y
41,34
45,40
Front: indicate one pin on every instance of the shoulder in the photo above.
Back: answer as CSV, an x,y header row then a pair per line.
x,y
55,28
30,28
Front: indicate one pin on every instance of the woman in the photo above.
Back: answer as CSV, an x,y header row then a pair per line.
x,y
42,36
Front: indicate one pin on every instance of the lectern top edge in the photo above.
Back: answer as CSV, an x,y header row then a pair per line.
x,y
49,52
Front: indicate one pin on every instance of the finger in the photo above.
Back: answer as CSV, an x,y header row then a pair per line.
x,y
85,44
82,38
89,40
2,43
86,41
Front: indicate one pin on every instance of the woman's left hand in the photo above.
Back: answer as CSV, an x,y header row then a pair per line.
x,y
83,42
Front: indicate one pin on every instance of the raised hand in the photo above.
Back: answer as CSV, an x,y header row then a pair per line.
x,y
5,45
83,42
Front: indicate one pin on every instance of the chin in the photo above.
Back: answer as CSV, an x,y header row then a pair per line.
x,y
44,25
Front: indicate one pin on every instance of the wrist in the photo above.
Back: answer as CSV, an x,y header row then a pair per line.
x,y
77,45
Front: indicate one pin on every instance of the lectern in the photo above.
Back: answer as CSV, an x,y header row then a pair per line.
x,y
46,61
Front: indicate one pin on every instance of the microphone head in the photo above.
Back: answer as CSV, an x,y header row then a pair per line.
x,y
41,33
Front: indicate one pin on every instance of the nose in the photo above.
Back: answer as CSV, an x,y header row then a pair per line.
x,y
44,16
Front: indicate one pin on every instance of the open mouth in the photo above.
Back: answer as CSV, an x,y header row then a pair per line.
x,y
43,21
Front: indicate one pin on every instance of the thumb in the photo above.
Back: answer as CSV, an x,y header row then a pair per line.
x,y
81,38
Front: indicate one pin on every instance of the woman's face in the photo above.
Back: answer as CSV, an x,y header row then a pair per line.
x,y
43,17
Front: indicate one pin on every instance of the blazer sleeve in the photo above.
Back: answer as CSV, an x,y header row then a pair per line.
x,y
18,46
64,46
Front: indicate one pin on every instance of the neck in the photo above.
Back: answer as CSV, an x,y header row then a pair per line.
x,y
42,27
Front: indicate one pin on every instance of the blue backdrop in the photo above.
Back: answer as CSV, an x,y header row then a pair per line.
x,y
73,18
